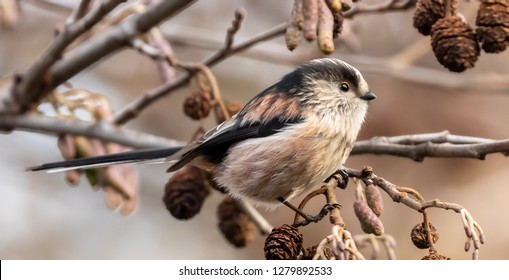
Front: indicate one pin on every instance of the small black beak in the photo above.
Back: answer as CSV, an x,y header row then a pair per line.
x,y
368,96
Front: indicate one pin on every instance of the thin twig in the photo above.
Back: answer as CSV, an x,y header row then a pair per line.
x,y
306,199
263,225
443,145
240,15
27,88
214,89
474,233
79,12
40,80
362,240
101,130
444,142
395,68
134,109
425,221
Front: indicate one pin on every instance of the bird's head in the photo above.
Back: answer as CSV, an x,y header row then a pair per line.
x,y
328,81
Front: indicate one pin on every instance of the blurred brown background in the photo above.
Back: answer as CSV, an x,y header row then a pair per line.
x,y
42,218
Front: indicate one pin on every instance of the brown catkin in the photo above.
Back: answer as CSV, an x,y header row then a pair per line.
x,y
310,12
325,28
294,30
374,199
454,44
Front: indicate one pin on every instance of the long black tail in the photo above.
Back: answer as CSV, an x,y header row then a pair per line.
x,y
104,160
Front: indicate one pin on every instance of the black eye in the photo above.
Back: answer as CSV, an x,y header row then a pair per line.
x,y
344,86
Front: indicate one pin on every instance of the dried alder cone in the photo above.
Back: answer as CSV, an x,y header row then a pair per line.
x,y
454,44
427,12
310,252
420,238
186,191
493,25
283,243
319,20
435,256
235,224
197,106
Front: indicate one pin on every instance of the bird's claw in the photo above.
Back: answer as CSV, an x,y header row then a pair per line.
x,y
341,177
315,219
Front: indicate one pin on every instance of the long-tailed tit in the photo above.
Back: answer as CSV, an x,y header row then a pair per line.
x,y
286,140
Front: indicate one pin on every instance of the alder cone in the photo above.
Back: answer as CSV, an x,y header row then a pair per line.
x,y
493,25
283,243
434,256
427,12
186,191
454,44
420,238
235,225
197,106
309,253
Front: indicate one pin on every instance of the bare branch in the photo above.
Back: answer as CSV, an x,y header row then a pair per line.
x,y
263,225
134,109
100,130
436,137
240,15
79,12
370,240
442,144
473,231
27,88
40,79
397,66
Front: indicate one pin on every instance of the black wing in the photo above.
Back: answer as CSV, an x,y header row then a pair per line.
x,y
216,147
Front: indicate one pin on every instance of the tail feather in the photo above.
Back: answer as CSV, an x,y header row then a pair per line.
x,y
105,160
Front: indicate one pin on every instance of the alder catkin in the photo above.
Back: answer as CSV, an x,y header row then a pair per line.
x,y
325,28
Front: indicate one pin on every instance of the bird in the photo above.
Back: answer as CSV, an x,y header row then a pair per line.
x,y
285,141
